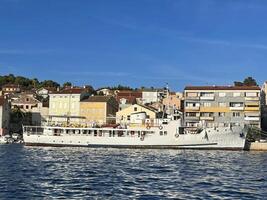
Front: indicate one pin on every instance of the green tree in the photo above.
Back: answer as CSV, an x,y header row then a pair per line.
x,y
67,84
249,81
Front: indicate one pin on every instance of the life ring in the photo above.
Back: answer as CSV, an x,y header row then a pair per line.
x,y
176,135
160,127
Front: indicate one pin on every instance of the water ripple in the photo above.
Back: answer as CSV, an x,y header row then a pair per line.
x,y
87,173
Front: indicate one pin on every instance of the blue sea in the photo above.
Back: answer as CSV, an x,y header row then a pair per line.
x,y
103,173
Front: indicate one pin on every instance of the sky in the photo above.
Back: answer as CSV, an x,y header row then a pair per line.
x,y
135,42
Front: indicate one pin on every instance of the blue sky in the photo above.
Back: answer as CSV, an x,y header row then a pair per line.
x,y
135,42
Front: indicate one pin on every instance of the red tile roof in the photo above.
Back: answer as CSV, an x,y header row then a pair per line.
x,y
222,88
70,91
97,99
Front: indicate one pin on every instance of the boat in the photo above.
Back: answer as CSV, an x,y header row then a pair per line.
x,y
170,135
3,140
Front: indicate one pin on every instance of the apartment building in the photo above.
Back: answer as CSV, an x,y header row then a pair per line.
x,y
214,106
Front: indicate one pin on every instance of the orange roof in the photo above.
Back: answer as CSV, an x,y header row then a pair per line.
x,y
70,91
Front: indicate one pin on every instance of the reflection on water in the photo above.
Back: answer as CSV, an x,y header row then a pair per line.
x,y
79,173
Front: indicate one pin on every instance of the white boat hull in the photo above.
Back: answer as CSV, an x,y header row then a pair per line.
x,y
220,138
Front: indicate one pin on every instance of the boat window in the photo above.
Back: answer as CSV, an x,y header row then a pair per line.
x,y
161,132
165,132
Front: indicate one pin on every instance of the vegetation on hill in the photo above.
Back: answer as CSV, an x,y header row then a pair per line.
x,y
26,83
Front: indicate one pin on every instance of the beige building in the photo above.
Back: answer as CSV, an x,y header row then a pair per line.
x,y
124,116
64,106
99,110
174,101
26,102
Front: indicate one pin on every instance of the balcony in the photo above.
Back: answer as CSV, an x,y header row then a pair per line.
x,y
252,108
192,118
192,98
192,108
252,98
248,118
210,98
207,118
237,108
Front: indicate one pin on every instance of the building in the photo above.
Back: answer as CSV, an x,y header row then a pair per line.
x,y
40,113
26,102
134,112
45,91
64,106
264,106
105,92
4,116
214,106
11,88
128,98
99,110
150,96
174,101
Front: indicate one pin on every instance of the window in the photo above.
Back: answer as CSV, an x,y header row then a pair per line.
x,y
207,104
189,104
222,104
222,94
165,132
236,114
135,108
161,132
191,94
251,94
27,107
221,114
207,94
236,94
191,114
128,117
236,104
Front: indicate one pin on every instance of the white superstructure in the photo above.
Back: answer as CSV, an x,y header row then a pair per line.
x,y
170,135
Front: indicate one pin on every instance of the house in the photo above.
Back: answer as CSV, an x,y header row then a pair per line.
x,y
45,91
105,92
136,113
11,88
128,98
99,110
150,96
214,106
64,105
26,102
173,100
4,116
